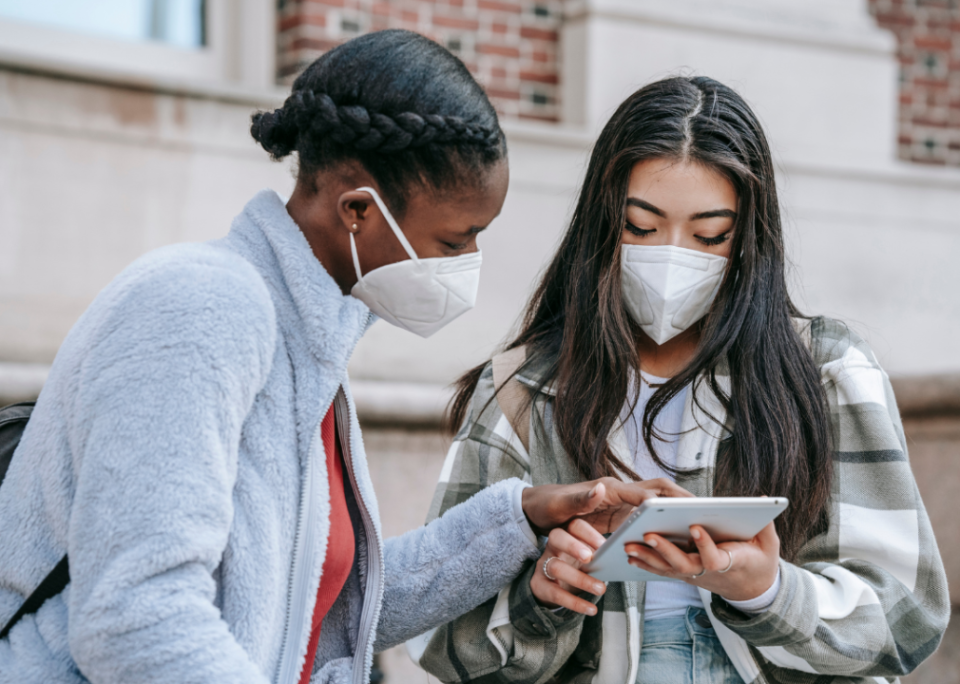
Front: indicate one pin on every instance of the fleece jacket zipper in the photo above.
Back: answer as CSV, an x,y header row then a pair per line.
x,y
304,550
373,590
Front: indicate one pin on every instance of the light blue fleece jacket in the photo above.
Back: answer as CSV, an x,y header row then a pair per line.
x,y
174,453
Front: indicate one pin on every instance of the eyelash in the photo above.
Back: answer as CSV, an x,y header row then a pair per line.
x,y
640,232
708,241
714,241
456,247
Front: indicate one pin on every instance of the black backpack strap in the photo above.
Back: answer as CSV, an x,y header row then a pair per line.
x,y
51,585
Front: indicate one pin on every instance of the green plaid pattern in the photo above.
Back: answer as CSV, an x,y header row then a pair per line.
x,y
866,601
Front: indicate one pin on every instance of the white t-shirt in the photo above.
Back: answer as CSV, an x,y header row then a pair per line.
x,y
663,599
670,599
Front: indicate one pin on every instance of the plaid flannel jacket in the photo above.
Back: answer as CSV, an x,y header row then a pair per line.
x,y
866,601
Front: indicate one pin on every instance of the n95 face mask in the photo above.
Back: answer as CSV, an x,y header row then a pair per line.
x,y
667,289
419,295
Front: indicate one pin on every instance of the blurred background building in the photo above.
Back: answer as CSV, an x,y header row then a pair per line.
x,y
124,127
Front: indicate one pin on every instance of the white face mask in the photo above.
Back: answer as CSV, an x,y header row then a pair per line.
x,y
667,289
419,295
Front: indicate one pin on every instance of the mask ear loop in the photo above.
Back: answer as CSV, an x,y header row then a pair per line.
x,y
356,259
393,224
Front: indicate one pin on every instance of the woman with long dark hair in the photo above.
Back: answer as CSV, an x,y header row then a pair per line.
x,y
195,451
662,341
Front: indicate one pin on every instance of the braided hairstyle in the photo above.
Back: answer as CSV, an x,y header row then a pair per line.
x,y
399,103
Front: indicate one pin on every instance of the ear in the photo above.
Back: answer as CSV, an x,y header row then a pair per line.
x,y
356,209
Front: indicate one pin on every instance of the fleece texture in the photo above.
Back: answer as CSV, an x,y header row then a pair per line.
x,y
167,456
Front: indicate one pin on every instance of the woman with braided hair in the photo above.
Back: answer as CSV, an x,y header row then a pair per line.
x,y
195,451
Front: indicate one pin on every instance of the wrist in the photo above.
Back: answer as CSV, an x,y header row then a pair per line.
x,y
760,602
531,503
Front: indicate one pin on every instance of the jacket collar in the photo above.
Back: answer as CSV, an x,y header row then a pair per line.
x,y
276,246
533,374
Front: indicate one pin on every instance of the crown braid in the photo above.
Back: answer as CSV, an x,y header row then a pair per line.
x,y
316,115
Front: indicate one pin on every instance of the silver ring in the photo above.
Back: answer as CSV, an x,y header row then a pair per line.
x,y
729,565
546,572
702,573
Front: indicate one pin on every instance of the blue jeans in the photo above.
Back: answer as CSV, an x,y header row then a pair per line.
x,y
684,650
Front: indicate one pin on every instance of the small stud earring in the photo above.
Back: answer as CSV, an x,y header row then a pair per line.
x,y
353,228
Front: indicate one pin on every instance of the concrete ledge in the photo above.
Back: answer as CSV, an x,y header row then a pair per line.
x,y
928,396
21,381
410,404
400,404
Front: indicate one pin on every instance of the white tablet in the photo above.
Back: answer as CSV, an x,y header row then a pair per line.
x,y
725,518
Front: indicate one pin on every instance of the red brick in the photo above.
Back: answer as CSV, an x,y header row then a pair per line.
x,y
928,122
895,19
314,44
929,42
930,83
455,22
538,77
503,50
499,6
539,117
538,34
287,23
504,94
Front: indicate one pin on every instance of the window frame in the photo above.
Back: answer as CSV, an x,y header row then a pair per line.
x,y
240,49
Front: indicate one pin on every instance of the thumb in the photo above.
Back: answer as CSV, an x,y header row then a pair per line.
x,y
584,503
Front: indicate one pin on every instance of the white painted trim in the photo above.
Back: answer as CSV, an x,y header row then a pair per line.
x,y
718,19
573,137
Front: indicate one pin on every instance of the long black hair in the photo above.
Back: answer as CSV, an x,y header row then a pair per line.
x,y
577,321
398,103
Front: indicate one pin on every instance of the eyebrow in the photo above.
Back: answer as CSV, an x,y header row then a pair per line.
x,y
635,202
473,230
714,213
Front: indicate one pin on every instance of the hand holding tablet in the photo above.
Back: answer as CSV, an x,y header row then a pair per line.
x,y
725,545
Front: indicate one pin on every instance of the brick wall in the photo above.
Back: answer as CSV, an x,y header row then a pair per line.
x,y
511,46
928,39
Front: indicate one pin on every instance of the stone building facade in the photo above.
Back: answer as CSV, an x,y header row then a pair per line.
x,y
110,148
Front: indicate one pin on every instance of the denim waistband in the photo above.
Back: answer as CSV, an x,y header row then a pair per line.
x,y
680,629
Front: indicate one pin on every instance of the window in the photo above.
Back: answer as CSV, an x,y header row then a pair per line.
x,y
203,41
175,22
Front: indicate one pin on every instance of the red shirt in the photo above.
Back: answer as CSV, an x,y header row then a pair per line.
x,y
341,545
